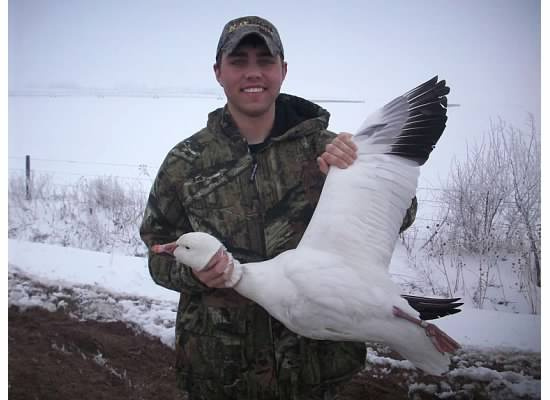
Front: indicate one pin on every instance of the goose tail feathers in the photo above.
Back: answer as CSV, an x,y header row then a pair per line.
x,y
432,308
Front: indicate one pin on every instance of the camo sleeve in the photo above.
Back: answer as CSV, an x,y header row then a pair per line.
x,y
325,137
164,221
410,215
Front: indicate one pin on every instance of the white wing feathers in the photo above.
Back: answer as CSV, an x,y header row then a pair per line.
x,y
361,208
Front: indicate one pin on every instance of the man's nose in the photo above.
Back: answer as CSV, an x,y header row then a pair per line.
x,y
253,71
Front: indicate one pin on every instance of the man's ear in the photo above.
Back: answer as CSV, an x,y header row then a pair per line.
x,y
285,68
217,72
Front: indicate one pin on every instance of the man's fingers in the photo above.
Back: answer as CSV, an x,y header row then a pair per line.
x,y
228,270
323,166
331,159
218,281
341,151
219,264
345,142
226,275
209,277
215,259
217,271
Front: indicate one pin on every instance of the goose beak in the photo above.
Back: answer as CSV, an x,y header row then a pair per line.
x,y
167,248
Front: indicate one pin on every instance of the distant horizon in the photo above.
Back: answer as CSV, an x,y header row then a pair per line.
x,y
489,53
140,91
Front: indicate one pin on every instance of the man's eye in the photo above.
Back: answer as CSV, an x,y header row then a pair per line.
x,y
238,61
266,61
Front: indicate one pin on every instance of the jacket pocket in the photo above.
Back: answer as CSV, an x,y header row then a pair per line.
x,y
218,211
210,337
202,195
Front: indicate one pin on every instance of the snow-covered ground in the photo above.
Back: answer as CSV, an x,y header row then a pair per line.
x,y
117,287
501,343
129,277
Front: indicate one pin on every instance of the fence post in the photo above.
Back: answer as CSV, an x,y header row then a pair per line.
x,y
28,176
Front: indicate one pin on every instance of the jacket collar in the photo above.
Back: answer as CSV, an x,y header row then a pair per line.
x,y
294,116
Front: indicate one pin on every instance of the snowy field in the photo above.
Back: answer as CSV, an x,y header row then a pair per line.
x,y
129,277
111,286
77,248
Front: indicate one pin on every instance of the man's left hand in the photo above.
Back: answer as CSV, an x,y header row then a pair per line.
x,y
341,152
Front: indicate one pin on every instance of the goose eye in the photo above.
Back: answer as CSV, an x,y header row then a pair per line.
x,y
188,248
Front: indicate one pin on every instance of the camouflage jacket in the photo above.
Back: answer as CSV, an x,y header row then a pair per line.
x,y
258,204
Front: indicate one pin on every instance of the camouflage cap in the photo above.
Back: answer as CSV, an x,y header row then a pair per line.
x,y
235,30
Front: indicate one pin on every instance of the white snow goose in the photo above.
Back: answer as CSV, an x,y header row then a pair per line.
x,y
335,285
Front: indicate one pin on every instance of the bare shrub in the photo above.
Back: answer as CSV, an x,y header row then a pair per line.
x,y
97,214
493,208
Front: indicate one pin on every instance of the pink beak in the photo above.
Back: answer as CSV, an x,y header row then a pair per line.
x,y
164,248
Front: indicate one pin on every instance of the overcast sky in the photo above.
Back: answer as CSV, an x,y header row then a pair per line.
x,y
487,50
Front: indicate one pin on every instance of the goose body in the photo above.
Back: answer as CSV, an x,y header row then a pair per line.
x,y
336,285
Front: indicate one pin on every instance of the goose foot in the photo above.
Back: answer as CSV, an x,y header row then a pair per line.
x,y
442,342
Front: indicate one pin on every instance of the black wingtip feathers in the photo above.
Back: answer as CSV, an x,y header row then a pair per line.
x,y
427,116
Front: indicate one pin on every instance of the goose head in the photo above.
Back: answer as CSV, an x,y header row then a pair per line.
x,y
196,249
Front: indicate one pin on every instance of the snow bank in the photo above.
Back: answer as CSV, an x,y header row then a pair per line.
x,y
129,276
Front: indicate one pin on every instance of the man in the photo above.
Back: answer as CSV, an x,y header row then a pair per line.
x,y
252,178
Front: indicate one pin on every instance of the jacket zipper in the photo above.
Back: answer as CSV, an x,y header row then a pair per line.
x,y
252,180
254,169
260,209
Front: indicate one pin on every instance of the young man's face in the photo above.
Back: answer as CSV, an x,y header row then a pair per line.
x,y
251,78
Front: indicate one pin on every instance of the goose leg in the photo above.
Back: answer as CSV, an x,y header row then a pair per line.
x,y
442,342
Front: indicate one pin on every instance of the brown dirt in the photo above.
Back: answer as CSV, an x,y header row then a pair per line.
x,y
56,356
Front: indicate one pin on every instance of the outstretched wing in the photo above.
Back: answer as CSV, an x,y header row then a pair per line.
x,y
361,208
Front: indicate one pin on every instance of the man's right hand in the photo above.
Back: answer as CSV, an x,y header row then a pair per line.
x,y
217,272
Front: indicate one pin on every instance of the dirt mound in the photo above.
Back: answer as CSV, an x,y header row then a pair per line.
x,y
54,356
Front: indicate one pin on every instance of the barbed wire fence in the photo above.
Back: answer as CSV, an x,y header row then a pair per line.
x,y
143,174
62,174
103,207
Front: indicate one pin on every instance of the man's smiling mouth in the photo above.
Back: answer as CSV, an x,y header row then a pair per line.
x,y
253,90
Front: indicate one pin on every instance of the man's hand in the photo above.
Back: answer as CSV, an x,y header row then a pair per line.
x,y
217,272
342,152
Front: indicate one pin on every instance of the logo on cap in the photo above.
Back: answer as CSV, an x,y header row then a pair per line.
x,y
239,24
